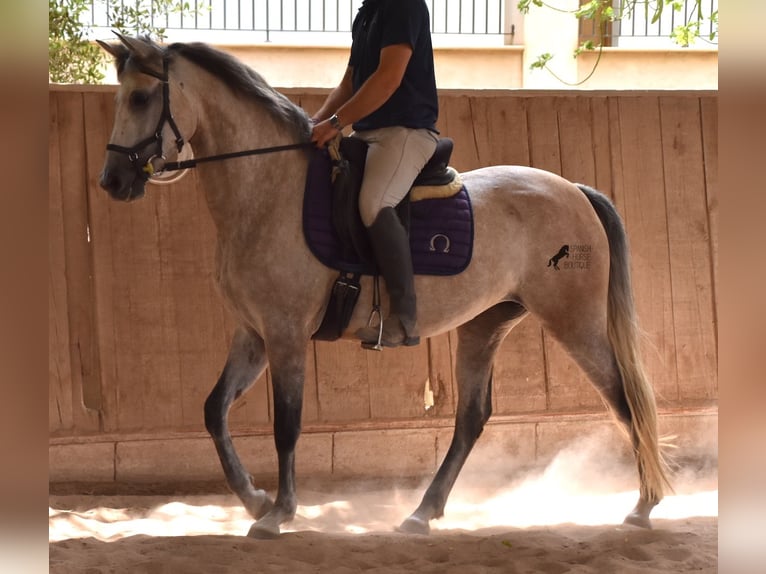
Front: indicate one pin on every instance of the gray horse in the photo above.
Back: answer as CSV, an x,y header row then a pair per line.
x,y
278,290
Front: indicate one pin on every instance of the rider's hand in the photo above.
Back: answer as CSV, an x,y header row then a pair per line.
x,y
323,133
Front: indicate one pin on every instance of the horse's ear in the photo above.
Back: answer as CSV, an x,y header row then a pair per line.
x,y
118,51
138,47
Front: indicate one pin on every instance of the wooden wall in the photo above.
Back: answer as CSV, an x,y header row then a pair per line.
x,y
138,335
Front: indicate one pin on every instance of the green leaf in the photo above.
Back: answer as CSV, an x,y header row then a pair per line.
x,y
584,47
685,35
541,61
72,58
524,5
588,10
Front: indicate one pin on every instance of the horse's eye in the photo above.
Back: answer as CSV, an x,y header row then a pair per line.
x,y
138,99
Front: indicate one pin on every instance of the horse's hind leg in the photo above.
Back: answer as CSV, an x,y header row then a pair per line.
x,y
478,341
589,346
245,363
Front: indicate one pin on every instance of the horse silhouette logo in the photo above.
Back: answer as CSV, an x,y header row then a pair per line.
x,y
563,252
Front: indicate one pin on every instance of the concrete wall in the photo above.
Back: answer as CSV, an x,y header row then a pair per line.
x,y
504,67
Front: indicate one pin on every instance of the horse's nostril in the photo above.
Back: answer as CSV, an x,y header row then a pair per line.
x,y
109,181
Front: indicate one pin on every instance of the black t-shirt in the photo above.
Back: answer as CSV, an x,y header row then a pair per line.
x,y
382,23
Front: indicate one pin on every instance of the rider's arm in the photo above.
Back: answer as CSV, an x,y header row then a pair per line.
x,y
337,97
370,96
379,86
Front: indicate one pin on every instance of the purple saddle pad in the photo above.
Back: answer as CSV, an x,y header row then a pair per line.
x,y
441,230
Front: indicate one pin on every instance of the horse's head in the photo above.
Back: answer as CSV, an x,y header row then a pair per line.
x,y
146,134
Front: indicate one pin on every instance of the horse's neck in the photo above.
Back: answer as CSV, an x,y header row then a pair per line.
x,y
253,192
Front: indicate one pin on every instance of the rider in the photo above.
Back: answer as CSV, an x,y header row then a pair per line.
x,y
388,94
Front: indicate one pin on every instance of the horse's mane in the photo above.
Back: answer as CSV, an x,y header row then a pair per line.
x,y
240,78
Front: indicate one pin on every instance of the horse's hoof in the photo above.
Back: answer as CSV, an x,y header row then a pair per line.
x,y
414,525
259,504
263,531
636,519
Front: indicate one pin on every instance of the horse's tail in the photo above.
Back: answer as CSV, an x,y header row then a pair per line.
x,y
623,334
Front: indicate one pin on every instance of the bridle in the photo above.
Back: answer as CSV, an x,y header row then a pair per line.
x,y
133,153
166,117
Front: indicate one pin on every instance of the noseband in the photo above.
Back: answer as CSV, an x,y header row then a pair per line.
x,y
133,153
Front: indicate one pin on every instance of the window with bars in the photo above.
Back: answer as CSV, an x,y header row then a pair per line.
x,y
642,27
453,22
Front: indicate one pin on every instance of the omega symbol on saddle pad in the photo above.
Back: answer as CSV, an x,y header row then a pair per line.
x,y
441,239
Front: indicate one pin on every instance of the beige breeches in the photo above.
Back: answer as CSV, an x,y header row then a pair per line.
x,y
394,158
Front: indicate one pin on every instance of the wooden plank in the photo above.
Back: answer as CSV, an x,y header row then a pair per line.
x,y
139,324
441,374
82,343
543,133
500,130
132,316
397,382
343,392
615,152
602,145
310,396
309,102
577,141
519,371
60,416
456,121
709,108
642,198
689,248
98,121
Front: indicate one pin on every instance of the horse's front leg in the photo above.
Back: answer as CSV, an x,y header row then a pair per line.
x,y
287,362
245,363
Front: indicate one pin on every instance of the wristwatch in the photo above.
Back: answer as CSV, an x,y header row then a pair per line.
x,y
335,122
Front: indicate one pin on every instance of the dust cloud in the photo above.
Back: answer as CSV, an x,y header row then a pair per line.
x,y
589,482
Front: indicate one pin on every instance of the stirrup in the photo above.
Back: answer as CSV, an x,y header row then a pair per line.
x,y
377,345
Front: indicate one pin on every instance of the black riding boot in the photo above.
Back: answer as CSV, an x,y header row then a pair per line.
x,y
392,253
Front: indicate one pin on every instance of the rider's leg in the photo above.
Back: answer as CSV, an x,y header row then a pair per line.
x,y
394,158
391,247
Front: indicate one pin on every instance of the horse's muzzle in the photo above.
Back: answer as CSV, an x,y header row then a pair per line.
x,y
122,185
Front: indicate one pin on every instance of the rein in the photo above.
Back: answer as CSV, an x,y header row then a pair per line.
x,y
147,170
176,165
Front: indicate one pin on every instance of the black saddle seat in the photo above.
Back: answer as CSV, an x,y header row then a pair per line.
x,y
435,171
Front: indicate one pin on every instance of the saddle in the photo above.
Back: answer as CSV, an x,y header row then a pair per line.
x,y
436,212
435,180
